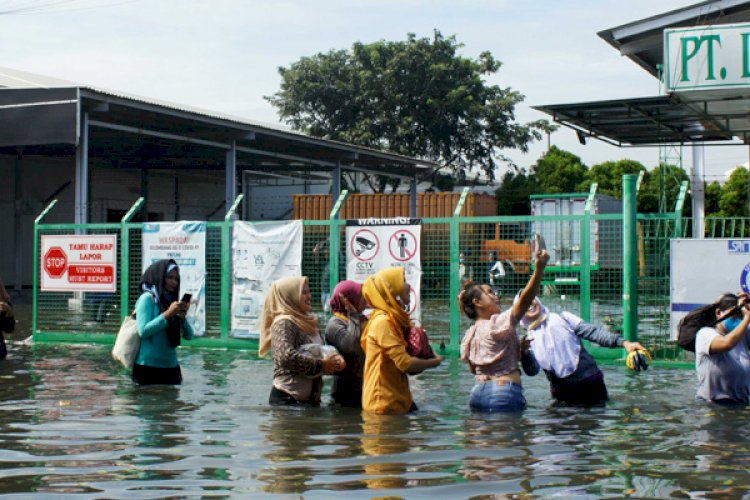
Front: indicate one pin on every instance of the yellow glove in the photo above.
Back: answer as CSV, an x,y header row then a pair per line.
x,y
638,360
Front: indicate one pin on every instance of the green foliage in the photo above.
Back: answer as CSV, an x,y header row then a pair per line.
x,y
559,171
648,195
713,195
513,193
608,176
733,202
416,97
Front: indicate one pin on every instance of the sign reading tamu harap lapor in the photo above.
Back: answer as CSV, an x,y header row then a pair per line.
x,y
78,263
705,57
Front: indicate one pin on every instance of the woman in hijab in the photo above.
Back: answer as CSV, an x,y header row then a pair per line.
x,y
573,375
344,332
161,324
287,324
491,346
386,384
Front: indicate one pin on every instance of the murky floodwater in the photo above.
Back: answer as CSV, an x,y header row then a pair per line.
x,y
71,423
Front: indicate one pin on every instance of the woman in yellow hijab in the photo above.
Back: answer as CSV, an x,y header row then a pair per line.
x,y
286,325
386,384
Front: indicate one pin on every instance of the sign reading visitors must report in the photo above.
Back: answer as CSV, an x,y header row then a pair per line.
x,y
706,57
73,263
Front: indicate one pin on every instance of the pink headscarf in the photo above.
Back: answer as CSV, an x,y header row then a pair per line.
x,y
349,289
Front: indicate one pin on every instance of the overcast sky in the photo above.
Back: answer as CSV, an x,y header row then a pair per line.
x,y
223,55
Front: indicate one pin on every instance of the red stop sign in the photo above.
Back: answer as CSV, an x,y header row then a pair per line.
x,y
55,262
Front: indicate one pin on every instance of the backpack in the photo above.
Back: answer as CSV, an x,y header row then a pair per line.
x,y
688,327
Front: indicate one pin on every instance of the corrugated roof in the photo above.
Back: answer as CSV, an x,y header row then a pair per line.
x,y
15,79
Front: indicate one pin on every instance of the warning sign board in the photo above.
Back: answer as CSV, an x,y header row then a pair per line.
x,y
78,263
376,244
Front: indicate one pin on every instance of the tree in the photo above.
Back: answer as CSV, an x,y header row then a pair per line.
x,y
513,193
608,176
559,171
648,196
733,202
416,97
713,196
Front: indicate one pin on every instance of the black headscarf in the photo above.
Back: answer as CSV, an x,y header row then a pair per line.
x,y
152,281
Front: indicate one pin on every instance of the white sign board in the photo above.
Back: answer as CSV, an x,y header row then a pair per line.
x,y
85,263
376,244
704,57
261,254
701,270
185,242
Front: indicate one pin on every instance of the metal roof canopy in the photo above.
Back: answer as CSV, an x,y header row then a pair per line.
x,y
133,132
692,116
697,116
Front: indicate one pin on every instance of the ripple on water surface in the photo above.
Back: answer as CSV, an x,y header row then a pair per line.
x,y
71,422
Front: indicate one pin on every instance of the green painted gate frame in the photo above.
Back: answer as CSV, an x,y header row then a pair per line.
x,y
335,227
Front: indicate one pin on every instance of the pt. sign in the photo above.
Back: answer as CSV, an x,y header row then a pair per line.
x,y
703,57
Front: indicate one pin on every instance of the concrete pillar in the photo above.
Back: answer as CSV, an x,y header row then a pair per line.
x,y
81,207
698,191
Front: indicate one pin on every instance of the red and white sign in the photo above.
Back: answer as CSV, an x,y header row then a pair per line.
x,y
73,263
376,244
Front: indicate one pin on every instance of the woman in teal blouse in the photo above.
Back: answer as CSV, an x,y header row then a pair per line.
x,y
161,324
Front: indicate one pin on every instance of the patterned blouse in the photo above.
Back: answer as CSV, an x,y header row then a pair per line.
x,y
295,373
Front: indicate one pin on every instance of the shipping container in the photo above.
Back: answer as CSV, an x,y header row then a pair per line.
x,y
380,205
563,238
435,241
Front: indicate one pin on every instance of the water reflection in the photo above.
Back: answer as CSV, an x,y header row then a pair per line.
x,y
498,449
72,423
385,437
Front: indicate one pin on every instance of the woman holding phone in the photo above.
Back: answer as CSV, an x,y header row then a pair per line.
x,y
161,325
491,346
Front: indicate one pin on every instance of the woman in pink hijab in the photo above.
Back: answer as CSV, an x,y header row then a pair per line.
x,y
343,331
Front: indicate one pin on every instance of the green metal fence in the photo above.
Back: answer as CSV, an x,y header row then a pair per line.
x,y
589,280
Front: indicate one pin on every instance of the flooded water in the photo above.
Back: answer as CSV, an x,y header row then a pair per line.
x,y
72,424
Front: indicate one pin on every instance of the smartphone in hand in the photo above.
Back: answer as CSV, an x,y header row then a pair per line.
x,y
186,298
538,243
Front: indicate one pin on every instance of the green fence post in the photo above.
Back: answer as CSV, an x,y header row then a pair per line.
x,y
125,258
35,297
334,240
678,209
226,267
455,251
630,259
585,274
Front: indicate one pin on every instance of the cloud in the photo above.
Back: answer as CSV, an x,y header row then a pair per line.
x,y
224,54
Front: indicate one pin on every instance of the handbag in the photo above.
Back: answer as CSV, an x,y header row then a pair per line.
x,y
418,344
127,343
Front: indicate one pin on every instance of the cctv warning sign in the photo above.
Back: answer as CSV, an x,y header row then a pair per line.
x,y
376,244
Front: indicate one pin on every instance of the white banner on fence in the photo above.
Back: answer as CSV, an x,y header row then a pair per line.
x,y
261,254
185,242
71,263
376,244
701,270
